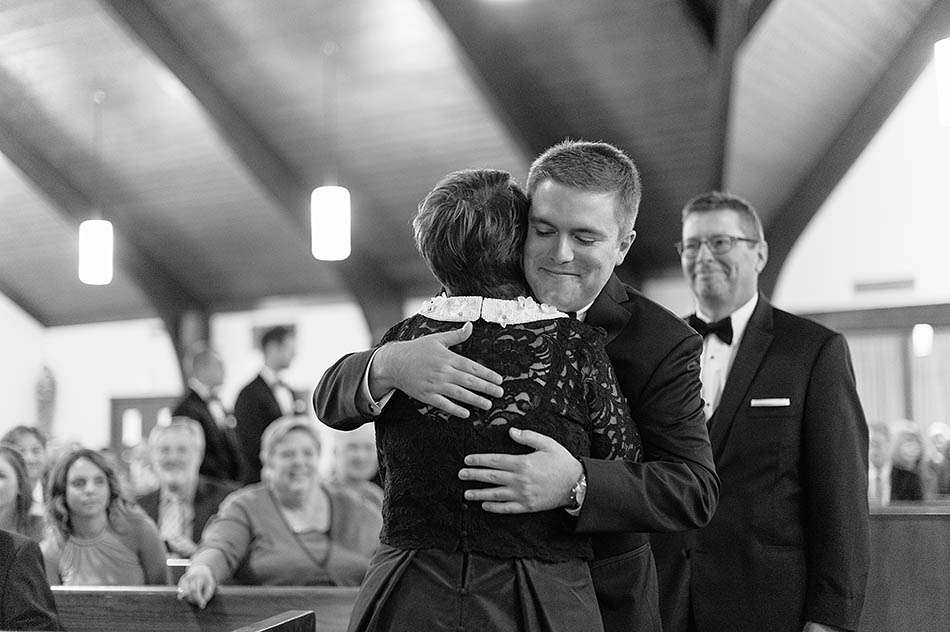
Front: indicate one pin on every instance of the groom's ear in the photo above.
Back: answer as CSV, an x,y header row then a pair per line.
x,y
624,246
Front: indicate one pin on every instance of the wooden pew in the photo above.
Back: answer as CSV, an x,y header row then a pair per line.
x,y
292,621
909,578
157,608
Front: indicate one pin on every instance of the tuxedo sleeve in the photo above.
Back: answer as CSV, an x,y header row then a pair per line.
x,y
835,468
675,487
27,600
334,399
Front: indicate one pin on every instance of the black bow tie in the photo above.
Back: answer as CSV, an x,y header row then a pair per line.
x,y
722,328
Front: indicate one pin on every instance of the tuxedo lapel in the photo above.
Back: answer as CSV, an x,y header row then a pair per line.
x,y
755,342
608,311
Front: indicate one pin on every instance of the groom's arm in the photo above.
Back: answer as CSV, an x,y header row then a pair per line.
x,y
336,399
673,489
426,369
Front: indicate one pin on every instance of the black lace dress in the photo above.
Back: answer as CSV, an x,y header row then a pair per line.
x,y
446,563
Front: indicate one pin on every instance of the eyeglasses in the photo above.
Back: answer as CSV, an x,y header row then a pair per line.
x,y
718,245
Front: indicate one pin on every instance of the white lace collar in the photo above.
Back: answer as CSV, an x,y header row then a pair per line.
x,y
460,309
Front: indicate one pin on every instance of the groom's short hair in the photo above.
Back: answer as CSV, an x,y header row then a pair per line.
x,y
595,167
470,229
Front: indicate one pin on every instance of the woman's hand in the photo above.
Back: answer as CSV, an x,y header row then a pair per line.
x,y
197,585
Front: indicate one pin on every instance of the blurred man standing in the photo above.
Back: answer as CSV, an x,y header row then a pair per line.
x,y
222,456
266,397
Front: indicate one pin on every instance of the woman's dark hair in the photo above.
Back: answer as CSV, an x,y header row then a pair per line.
x,y
57,510
24,494
470,229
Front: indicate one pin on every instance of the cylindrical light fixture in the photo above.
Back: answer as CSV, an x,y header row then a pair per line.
x,y
95,252
922,340
330,223
942,66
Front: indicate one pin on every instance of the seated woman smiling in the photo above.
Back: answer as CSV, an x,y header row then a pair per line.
x,y
289,529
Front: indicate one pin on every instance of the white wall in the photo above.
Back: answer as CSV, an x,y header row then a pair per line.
x,y
21,339
888,219
94,363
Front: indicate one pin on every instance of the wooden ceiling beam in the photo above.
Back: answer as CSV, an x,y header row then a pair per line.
x,y
798,209
379,296
534,116
167,294
528,112
734,20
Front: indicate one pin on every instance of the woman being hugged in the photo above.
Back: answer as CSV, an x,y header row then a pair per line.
x,y
444,562
289,529
96,537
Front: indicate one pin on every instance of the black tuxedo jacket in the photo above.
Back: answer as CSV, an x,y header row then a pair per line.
x,y
789,542
208,495
255,407
656,358
26,602
222,458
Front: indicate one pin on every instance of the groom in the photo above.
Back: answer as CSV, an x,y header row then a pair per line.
x,y
584,200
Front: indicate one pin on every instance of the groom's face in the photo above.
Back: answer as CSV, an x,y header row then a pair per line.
x,y
574,242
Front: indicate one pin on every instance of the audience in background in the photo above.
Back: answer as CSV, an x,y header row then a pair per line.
x,y
355,463
31,442
291,529
266,397
185,500
907,450
15,498
222,457
938,461
879,463
95,536
26,602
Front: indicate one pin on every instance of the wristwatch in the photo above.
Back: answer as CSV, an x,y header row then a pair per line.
x,y
577,495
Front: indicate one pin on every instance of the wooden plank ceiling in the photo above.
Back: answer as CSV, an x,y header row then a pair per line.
x,y
221,116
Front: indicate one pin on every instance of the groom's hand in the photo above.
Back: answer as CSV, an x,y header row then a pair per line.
x,y
427,370
525,483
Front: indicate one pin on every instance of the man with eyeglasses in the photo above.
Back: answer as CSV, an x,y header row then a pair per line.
x,y
787,549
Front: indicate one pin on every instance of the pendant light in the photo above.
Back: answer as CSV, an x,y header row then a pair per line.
x,y
330,204
95,235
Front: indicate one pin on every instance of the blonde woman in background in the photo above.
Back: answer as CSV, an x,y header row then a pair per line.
x,y
289,529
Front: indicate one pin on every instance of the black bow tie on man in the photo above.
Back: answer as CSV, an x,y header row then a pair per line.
x,y
721,328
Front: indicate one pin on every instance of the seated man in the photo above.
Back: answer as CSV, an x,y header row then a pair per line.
x,y
355,463
184,501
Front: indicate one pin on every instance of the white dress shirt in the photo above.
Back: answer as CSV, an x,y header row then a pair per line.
x,y
215,407
718,356
285,397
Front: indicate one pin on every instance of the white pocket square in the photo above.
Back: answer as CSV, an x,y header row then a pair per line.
x,y
770,402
